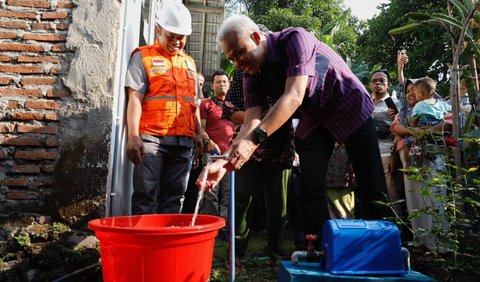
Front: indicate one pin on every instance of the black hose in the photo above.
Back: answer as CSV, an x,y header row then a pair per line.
x,y
78,271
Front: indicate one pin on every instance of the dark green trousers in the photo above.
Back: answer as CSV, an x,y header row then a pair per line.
x,y
269,182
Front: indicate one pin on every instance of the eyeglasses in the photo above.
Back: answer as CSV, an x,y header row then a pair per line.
x,y
379,80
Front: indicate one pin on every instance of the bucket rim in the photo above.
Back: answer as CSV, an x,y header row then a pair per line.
x,y
103,225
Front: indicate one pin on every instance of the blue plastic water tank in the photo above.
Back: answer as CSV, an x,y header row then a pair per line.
x,y
359,247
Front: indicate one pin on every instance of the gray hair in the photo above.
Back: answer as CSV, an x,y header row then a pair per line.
x,y
240,25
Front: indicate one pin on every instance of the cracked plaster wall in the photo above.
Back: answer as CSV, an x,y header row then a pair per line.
x,y
86,116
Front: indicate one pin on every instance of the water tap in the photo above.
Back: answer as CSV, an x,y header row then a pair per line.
x,y
310,254
214,155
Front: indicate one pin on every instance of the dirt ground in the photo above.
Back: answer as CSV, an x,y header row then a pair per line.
x,y
58,260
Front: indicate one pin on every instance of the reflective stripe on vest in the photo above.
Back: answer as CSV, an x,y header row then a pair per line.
x,y
168,107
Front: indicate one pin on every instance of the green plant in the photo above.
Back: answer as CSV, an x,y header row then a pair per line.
x,y
454,204
57,229
23,240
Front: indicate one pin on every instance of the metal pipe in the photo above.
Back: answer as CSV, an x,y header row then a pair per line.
x,y
302,255
231,213
406,258
231,221
212,158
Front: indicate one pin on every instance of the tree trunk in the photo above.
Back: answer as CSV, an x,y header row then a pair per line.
x,y
454,90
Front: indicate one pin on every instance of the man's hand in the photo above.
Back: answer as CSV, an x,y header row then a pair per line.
x,y
198,143
402,58
135,150
212,146
240,152
211,174
391,114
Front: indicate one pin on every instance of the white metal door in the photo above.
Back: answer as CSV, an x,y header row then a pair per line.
x,y
137,22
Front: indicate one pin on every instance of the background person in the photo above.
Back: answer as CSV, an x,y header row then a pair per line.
x,y
160,79
218,135
262,184
200,83
379,84
428,110
415,199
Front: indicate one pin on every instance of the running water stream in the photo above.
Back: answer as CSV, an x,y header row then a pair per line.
x,y
200,194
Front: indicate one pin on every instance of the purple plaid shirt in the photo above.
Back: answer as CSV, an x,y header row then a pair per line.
x,y
335,98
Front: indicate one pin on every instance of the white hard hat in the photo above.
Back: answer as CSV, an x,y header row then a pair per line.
x,y
175,17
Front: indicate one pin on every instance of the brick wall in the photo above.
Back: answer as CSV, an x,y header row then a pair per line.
x,y
32,51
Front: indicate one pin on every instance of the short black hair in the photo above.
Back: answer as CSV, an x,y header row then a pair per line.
x,y
382,71
218,72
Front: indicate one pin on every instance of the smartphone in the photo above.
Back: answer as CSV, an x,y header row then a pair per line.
x,y
391,104
403,52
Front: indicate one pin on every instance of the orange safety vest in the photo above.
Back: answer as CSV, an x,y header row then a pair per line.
x,y
168,107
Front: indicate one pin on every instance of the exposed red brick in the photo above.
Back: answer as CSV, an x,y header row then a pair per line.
x,y
43,26
27,168
5,59
54,15
65,4
13,104
20,92
51,116
30,3
38,80
15,182
3,154
18,14
21,141
21,69
36,155
47,105
38,59
6,127
19,47
62,26
43,181
5,80
48,168
58,48
55,70
51,141
14,24
57,93
45,37
27,116
37,129
8,35
20,195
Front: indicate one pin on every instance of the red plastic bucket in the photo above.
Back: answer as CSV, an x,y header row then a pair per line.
x,y
156,247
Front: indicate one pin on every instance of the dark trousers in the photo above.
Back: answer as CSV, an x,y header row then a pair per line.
x,y
271,180
364,154
160,181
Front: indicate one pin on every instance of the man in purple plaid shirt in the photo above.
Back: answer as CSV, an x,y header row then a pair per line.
x,y
307,78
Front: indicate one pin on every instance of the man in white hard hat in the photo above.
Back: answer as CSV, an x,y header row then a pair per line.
x,y
162,118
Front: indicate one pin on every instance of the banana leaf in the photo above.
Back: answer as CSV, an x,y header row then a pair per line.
x,y
405,28
461,8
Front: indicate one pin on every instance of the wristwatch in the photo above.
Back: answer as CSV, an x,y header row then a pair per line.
x,y
259,136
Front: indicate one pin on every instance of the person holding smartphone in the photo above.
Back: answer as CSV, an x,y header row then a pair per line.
x,y
379,85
